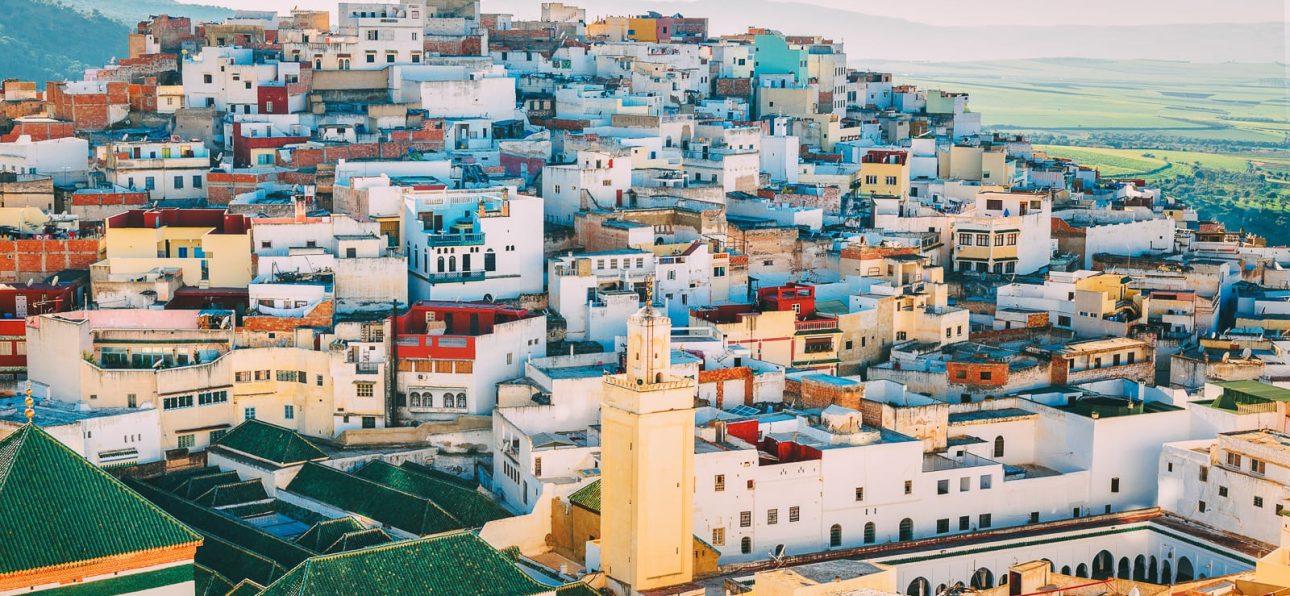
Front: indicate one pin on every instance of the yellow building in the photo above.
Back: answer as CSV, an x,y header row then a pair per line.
x,y
609,29
642,29
647,464
212,248
884,173
1274,568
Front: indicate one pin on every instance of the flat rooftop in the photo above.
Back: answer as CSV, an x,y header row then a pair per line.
x,y
51,413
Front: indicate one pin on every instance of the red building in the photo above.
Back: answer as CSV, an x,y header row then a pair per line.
x,y
17,302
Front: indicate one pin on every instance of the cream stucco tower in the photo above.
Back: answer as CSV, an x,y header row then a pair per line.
x,y
647,464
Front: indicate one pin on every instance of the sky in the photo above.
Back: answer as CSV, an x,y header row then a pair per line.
x,y
966,12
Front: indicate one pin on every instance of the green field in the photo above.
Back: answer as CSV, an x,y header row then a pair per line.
x,y
1134,99
1155,164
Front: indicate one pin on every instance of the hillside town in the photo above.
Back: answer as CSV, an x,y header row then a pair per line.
x,y
417,299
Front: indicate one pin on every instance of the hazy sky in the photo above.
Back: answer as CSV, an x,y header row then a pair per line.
x,y
956,12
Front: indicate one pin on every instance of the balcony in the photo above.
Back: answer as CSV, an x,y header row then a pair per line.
x,y
449,239
824,325
455,276
367,368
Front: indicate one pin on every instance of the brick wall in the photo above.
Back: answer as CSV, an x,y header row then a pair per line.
x,y
734,87
24,259
811,393
95,199
40,131
320,316
313,156
974,374
722,375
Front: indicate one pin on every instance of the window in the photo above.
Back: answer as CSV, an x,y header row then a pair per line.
x,y
131,401
1204,473
216,435
965,240
835,535
179,182
870,533
965,484
242,377
207,398
248,413
289,412
998,239
187,441
365,389
1115,485
1034,517
998,446
745,519
1222,491
318,380
719,483
1233,459
261,375
1258,466
286,375
1201,506
983,521
1258,502
985,482
909,487
859,493
942,525
745,545
1012,239
942,487
794,514
718,536
772,516
965,523
177,402
983,240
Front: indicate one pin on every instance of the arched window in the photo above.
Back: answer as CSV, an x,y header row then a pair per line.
x,y
1066,569
998,446
427,400
461,400
440,264
448,400
983,579
835,535
1081,570
490,260
919,587
1140,568
416,400
906,529
1126,570
1103,565
870,533
1186,572
745,545
452,263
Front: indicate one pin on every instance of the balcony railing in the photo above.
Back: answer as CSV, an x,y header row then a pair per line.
x,y
817,325
446,239
367,368
451,276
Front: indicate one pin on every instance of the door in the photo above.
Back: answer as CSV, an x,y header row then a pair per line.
x,y
20,306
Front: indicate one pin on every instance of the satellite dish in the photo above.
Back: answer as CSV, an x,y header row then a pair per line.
x,y
54,281
29,281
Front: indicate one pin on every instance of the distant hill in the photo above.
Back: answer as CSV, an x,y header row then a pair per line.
x,y
55,40
130,12
42,41
869,36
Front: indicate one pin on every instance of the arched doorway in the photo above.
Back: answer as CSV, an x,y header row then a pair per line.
x,y
919,587
1125,570
998,447
1103,565
835,535
1153,571
1140,568
1166,573
1081,570
906,529
870,533
983,579
1186,572
1066,569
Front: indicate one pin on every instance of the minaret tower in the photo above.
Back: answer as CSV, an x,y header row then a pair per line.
x,y
647,463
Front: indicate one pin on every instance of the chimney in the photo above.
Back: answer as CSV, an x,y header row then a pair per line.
x,y
300,208
720,426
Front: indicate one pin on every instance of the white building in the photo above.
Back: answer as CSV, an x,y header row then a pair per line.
x,y
596,180
65,160
106,437
472,244
166,170
1238,482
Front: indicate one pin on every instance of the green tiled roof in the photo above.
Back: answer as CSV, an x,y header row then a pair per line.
x,y
196,486
236,493
270,442
59,508
469,507
250,509
323,534
209,583
236,563
219,524
577,589
387,505
587,497
357,540
451,563
443,476
245,588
